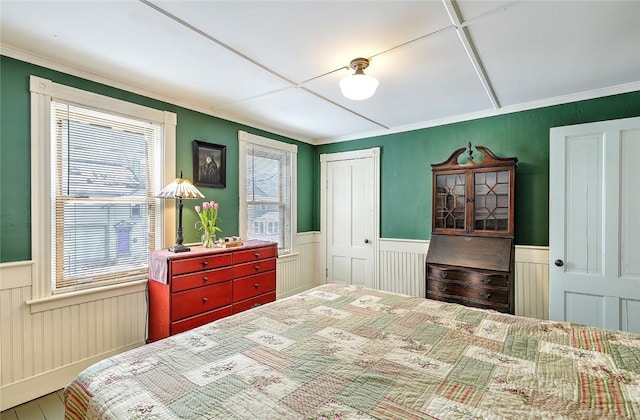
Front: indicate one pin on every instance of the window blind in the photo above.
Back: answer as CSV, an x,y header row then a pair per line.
x,y
269,175
103,211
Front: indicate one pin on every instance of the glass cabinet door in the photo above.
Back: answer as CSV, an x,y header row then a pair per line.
x,y
491,204
450,201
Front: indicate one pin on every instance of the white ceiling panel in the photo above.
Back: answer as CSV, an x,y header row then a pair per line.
x,y
301,113
304,39
433,75
538,50
276,64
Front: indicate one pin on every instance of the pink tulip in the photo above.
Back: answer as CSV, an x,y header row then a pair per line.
x,y
197,209
216,205
205,205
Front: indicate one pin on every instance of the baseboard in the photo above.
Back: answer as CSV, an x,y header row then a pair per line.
x,y
36,386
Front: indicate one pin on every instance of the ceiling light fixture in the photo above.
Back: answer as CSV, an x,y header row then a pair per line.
x,y
358,86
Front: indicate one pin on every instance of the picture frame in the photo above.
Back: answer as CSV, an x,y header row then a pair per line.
x,y
209,164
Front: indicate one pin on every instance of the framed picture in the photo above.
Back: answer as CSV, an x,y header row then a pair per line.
x,y
209,164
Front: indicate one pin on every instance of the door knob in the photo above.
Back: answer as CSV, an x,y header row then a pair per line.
x,y
559,263
366,241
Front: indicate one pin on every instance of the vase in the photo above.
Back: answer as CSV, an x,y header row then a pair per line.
x,y
208,240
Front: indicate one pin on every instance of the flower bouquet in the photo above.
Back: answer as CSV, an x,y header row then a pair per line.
x,y
208,214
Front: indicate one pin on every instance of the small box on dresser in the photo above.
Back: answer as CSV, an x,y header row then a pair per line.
x,y
190,289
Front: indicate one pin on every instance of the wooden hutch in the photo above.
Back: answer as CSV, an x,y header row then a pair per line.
x,y
471,253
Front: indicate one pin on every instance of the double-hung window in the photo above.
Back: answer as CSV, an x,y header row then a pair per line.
x,y
101,164
267,190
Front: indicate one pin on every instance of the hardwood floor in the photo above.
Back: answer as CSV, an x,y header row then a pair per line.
x,y
49,407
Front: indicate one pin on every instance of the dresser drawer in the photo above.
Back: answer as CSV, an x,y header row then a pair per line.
x,y
253,302
201,278
198,320
500,307
255,267
201,263
200,299
475,277
469,292
255,254
248,287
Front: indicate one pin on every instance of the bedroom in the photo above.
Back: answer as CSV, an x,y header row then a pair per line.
x,y
34,363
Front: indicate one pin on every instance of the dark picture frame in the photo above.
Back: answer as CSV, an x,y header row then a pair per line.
x,y
209,164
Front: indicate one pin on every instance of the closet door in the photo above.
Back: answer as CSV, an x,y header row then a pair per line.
x,y
594,222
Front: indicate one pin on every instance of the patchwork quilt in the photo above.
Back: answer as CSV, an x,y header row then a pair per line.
x,y
343,352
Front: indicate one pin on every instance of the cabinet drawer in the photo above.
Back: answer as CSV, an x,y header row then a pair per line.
x,y
248,287
475,277
253,302
200,299
255,254
255,267
500,307
201,278
198,320
201,263
469,292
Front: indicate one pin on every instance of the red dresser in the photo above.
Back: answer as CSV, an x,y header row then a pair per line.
x,y
190,289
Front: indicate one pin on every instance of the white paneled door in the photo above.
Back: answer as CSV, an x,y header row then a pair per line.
x,y
594,224
351,217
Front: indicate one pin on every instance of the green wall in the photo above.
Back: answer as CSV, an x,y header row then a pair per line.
x,y
405,160
15,150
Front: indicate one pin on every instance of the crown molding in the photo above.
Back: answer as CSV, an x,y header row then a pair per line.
x,y
37,60
525,106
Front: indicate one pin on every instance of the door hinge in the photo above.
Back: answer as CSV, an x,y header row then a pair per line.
x,y
326,273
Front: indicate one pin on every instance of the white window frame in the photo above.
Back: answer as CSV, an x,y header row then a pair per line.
x,y
244,139
43,91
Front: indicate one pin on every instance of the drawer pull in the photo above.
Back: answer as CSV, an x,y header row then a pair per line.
x,y
256,267
257,255
205,279
485,295
444,275
486,280
256,285
205,300
205,263
442,288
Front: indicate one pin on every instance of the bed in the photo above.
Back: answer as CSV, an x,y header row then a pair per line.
x,y
345,352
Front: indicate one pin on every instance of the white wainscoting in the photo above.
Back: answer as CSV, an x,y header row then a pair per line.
x,y
401,269
41,350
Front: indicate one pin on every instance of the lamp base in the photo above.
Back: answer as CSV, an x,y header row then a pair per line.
x,y
179,248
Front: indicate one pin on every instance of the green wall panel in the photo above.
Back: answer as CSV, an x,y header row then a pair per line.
x,y
406,160
15,149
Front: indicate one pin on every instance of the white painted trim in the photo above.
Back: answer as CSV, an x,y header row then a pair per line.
x,y
36,386
243,139
325,158
64,68
42,92
83,296
15,274
412,246
558,100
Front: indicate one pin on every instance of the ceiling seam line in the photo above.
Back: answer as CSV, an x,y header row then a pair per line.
x,y
216,41
471,53
344,108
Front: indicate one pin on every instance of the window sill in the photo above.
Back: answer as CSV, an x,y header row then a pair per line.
x,y
83,296
287,256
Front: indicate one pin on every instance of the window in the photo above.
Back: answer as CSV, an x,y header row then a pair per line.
x,y
267,190
105,159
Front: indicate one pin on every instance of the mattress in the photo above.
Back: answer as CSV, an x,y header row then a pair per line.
x,y
344,352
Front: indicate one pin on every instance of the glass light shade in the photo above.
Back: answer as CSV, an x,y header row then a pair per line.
x,y
358,86
180,188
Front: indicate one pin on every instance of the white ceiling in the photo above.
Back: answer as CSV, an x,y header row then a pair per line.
x,y
276,65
